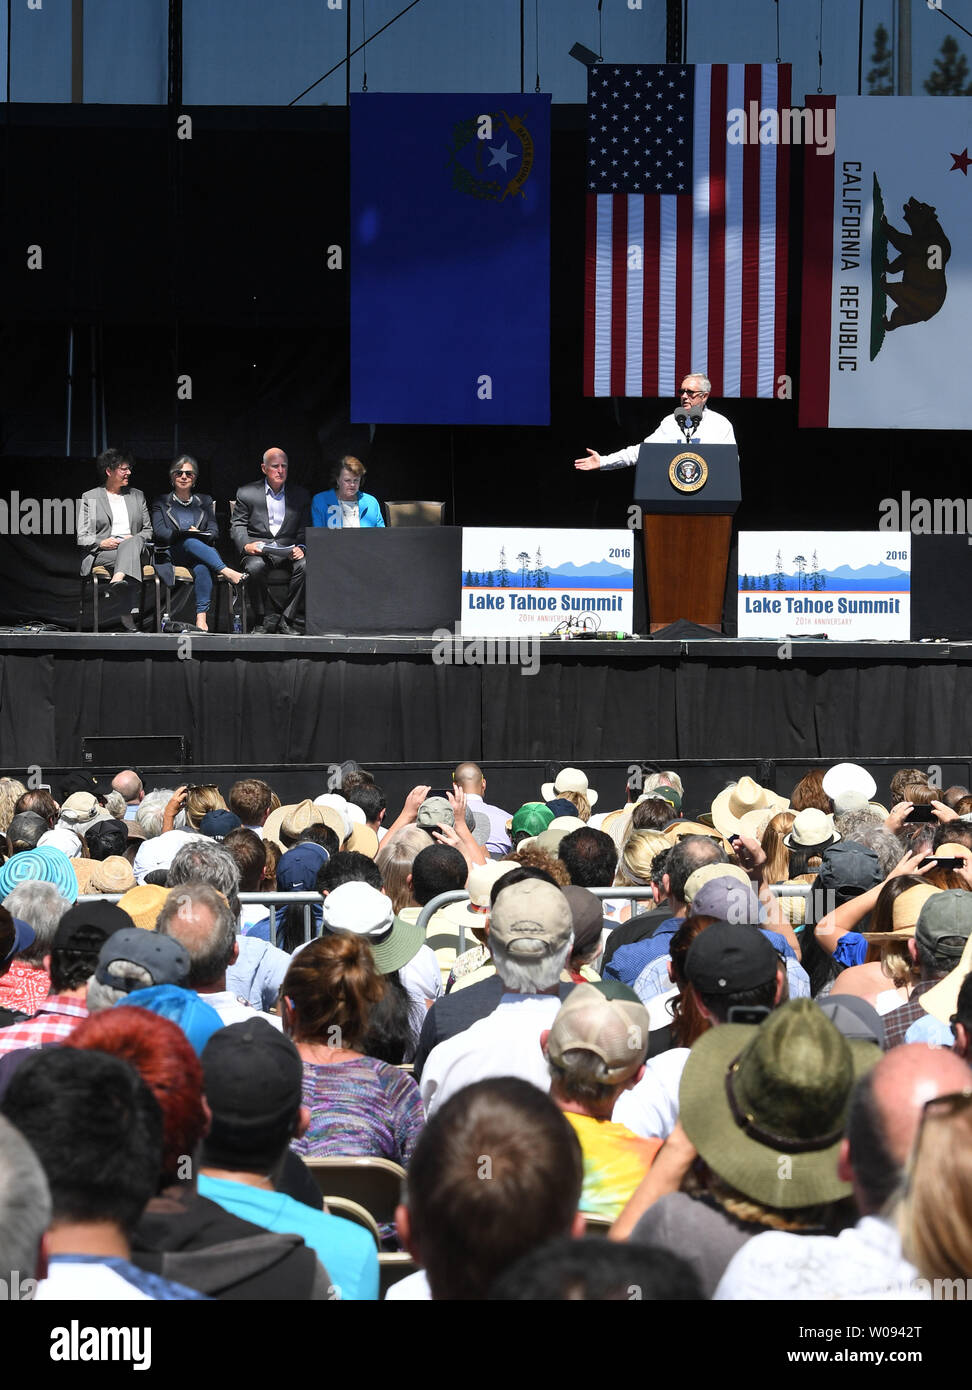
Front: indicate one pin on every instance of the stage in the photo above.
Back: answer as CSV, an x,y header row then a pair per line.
x,y
290,706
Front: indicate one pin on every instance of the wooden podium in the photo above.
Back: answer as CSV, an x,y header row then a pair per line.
x,y
688,494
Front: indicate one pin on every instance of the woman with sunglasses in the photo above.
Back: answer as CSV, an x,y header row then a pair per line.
x,y
185,522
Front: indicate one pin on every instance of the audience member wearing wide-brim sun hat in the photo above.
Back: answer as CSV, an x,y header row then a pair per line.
x,y
550,838
144,903
905,912
848,777
753,1094
111,875
298,816
812,832
364,911
569,779
680,828
47,865
745,798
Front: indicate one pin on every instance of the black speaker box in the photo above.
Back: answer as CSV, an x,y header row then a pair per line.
x,y
135,752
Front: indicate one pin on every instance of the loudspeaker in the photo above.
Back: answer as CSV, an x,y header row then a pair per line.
x,y
136,752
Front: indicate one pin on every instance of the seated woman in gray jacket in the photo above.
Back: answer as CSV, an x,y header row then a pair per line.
x,y
185,521
113,529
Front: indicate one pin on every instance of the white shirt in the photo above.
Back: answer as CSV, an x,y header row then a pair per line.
x,y
350,515
276,509
505,1043
422,979
713,429
865,1261
413,1286
68,1281
233,1008
251,913
121,527
651,1107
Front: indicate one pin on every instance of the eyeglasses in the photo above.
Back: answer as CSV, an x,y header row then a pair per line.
x,y
685,392
184,473
944,1107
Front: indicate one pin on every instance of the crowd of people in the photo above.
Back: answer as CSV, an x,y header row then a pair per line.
x,y
709,1053
117,528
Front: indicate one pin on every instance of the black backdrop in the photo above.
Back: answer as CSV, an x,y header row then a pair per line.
x,y
208,257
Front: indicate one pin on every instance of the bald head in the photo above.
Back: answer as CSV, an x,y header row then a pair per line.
x,y
199,918
886,1112
470,778
129,785
904,1080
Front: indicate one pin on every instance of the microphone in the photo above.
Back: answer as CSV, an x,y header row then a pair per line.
x,y
696,417
683,420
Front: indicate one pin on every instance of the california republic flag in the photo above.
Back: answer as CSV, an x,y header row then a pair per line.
x,y
887,268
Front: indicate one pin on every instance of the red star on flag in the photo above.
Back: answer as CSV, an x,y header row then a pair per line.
x,y
962,161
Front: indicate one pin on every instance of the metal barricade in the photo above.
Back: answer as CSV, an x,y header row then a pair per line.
x,y
457,895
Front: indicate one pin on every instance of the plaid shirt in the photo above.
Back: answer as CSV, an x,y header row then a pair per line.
x,y
899,1020
56,1019
24,988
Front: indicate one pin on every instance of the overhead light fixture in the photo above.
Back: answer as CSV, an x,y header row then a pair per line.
x,y
585,55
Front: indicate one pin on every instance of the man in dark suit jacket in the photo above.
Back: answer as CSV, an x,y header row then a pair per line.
x,y
269,521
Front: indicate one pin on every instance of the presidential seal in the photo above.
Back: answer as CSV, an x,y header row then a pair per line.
x,y
688,472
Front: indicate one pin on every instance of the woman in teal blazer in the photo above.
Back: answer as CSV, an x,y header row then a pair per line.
x,y
345,504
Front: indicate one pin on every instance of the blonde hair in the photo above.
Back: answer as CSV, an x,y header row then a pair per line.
x,y
580,802
395,862
896,962
935,1216
743,1208
777,866
10,793
637,856
200,801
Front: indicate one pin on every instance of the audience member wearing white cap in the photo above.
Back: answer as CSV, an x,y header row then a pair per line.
x,y
159,852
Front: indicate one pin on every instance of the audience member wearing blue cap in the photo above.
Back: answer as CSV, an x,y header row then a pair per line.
x,y
197,1019
296,873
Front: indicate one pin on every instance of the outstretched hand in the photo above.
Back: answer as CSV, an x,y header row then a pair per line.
x,y
593,460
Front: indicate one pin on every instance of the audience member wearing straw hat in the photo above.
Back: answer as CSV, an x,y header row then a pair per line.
x,y
890,970
737,810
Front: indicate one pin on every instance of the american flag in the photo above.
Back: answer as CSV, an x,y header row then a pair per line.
x,y
686,259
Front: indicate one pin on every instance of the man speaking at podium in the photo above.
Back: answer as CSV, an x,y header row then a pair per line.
x,y
711,428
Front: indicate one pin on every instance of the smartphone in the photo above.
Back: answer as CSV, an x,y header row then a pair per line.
x,y
920,815
943,863
747,1013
